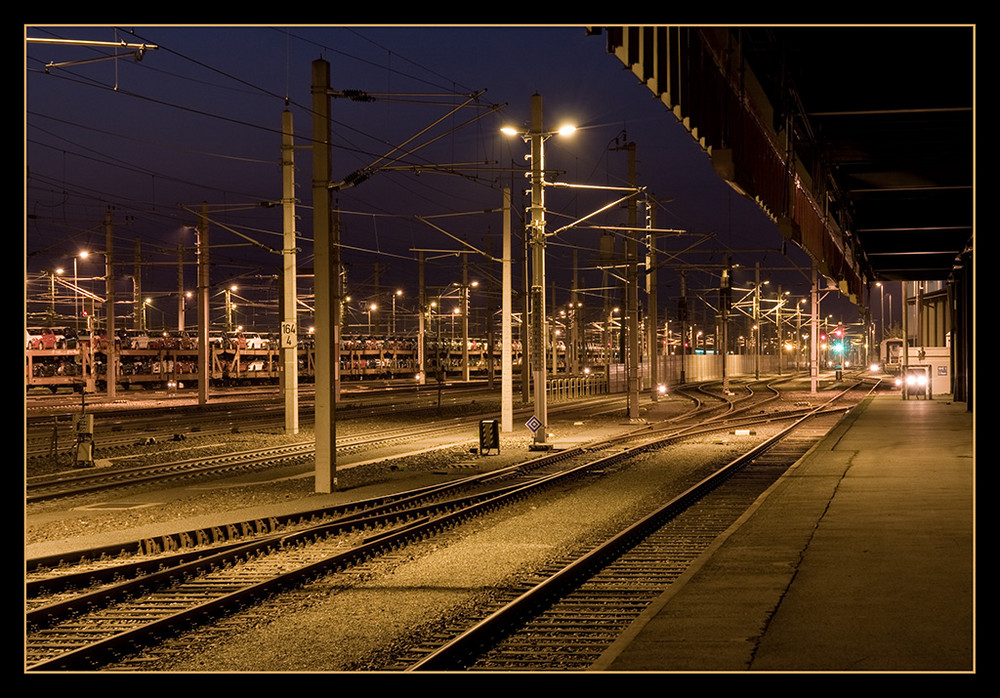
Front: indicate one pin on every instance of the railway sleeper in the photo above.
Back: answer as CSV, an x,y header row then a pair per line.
x,y
211,536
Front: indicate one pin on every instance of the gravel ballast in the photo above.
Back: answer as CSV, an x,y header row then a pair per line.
x,y
356,620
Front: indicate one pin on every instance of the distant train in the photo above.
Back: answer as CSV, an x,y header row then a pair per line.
x,y
890,354
82,362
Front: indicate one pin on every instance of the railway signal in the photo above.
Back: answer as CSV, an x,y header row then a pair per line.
x,y
838,339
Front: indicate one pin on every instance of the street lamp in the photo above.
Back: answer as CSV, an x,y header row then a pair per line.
x,y
537,137
83,254
399,292
148,303
187,295
465,327
58,271
76,292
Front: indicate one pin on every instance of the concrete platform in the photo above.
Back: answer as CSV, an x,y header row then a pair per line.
x,y
860,559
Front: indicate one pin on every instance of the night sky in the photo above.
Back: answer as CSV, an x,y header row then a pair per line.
x,y
198,119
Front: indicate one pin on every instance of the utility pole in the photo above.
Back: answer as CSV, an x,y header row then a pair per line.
x,y
725,299
465,317
536,233
326,278
777,329
552,333
651,295
289,336
632,306
682,316
180,288
526,336
538,273
421,319
506,359
814,334
607,258
109,330
139,312
756,321
203,311
573,343
377,298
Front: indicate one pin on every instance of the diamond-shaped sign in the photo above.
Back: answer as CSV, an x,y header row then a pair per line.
x,y
534,423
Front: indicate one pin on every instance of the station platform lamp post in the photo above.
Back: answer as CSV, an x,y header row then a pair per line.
x,y
536,137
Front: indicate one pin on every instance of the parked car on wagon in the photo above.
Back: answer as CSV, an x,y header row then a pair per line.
x,y
254,340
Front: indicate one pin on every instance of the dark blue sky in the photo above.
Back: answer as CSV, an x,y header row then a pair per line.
x,y
198,119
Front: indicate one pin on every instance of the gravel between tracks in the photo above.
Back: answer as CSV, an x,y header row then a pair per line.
x,y
354,621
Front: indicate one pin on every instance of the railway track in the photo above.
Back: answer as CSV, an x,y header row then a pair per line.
x,y
76,482
272,556
55,593
64,637
566,621
121,427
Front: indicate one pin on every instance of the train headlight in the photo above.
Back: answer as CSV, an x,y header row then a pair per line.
x,y
874,368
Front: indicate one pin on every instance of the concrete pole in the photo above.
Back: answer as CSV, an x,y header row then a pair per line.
x,y
180,288
204,354
421,319
632,306
537,241
138,304
814,334
683,313
756,321
777,329
525,331
465,318
289,324
325,274
506,354
109,330
573,354
652,302
607,257
554,329
724,301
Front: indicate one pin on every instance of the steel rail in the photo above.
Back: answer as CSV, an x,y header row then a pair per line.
x,y
46,487
427,525
180,539
461,651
